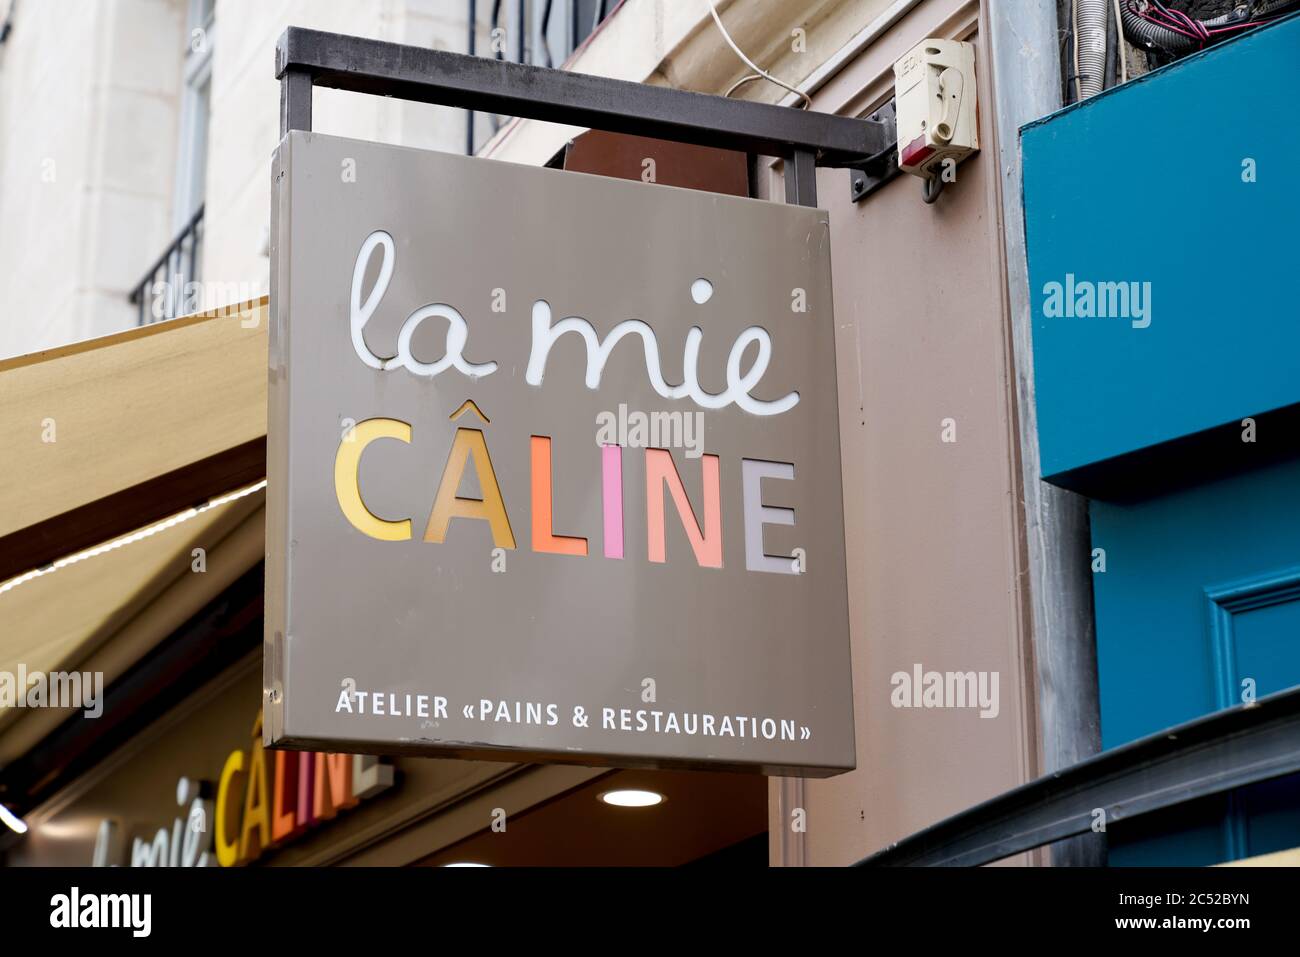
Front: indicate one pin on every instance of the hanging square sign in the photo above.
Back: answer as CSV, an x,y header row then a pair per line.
x,y
553,469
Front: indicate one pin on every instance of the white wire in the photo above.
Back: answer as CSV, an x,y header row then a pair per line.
x,y
751,64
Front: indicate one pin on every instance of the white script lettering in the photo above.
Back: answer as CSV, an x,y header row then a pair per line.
x,y
457,330
545,335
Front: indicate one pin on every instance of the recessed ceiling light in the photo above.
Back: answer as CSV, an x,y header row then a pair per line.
x,y
466,864
631,797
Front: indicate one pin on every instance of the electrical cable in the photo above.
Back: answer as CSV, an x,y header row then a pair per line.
x,y
1154,26
758,71
747,78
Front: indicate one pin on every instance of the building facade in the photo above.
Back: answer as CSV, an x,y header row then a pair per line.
x,y
142,193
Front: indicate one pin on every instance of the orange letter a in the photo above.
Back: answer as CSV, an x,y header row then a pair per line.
x,y
448,505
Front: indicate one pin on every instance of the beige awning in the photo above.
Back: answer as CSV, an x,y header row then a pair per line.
x,y
125,440
84,422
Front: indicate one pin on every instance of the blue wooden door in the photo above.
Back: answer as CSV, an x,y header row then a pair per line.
x,y
1198,609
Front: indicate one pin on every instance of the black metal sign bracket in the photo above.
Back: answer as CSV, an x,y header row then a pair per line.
x,y
804,139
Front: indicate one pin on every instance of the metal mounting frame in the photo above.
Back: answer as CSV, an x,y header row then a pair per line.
x,y
305,59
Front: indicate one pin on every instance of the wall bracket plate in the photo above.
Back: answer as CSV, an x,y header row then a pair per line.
x,y
875,173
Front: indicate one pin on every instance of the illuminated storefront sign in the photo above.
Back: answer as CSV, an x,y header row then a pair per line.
x,y
464,556
263,801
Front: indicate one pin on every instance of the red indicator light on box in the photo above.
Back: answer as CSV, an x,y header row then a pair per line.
x,y
915,153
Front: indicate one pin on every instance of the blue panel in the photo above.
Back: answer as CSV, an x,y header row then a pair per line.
x,y
1267,643
1201,590
1145,184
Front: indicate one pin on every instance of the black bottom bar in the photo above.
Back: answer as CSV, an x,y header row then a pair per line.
x,y
393,910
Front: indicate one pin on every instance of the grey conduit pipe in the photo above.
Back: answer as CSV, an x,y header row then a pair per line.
x,y
1090,46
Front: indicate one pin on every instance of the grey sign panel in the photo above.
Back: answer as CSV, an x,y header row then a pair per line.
x,y
458,344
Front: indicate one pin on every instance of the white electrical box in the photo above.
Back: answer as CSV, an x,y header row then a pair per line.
x,y
934,92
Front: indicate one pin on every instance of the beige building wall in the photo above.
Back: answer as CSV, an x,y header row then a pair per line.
x,y
935,529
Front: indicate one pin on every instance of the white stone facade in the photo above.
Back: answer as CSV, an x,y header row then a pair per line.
x,y
90,106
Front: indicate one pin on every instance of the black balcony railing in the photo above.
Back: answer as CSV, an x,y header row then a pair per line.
x,y
167,290
537,32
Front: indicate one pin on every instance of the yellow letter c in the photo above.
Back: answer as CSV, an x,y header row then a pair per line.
x,y
347,486
227,850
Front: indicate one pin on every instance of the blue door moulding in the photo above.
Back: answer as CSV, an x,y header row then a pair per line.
x,y
1223,603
